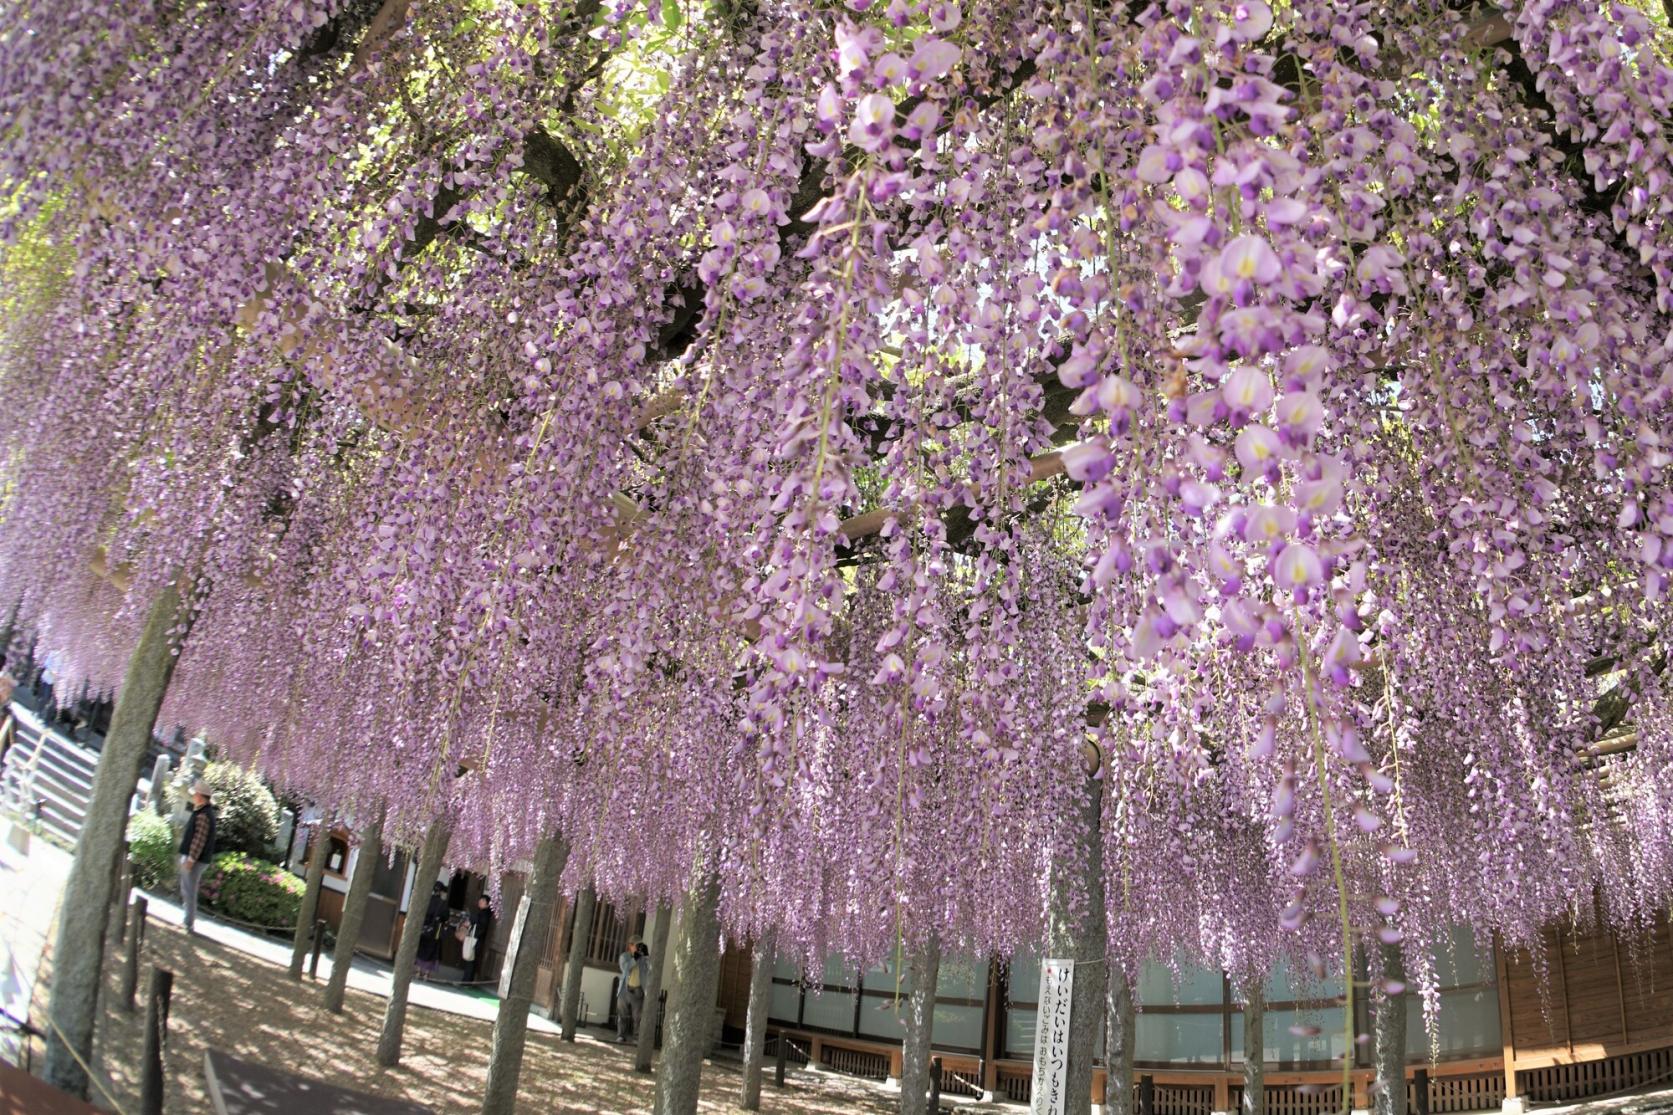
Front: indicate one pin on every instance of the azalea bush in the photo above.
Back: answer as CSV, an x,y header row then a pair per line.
x,y
252,890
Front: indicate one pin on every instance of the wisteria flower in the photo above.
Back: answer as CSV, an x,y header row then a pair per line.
x,y
873,124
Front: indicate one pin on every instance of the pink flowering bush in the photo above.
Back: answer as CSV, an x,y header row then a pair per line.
x,y
252,890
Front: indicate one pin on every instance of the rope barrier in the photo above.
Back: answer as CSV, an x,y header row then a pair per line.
x,y
93,1077
218,916
28,1030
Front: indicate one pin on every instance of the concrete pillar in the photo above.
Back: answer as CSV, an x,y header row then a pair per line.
x,y
761,963
78,954
354,912
1120,1034
302,940
653,988
412,932
1388,1037
691,1007
923,968
1077,930
581,931
1254,1050
511,1025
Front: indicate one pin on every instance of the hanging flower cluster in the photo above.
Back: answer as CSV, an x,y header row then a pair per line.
x,y
778,439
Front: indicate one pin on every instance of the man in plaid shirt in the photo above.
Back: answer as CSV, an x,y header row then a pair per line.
x,y
197,848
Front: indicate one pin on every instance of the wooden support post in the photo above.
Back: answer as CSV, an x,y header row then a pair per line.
x,y
580,933
1119,1032
156,1036
691,1007
918,1080
934,1085
1254,1049
779,1057
309,912
1147,1095
412,932
1620,984
124,884
991,1004
78,953
319,945
505,1062
761,963
659,966
1560,982
1420,1090
130,968
354,913
1077,930
1507,1032
1388,1035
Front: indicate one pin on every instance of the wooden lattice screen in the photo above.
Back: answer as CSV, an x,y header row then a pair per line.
x,y
856,1062
1562,1083
1448,1095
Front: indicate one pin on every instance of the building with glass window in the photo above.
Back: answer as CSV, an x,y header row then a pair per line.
x,y
1589,1016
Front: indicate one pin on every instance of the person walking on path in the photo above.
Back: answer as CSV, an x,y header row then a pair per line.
x,y
630,989
435,927
197,848
475,945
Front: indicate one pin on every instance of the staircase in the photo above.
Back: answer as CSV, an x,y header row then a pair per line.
x,y
46,770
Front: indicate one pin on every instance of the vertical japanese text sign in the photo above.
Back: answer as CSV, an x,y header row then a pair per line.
x,y
1051,1036
512,947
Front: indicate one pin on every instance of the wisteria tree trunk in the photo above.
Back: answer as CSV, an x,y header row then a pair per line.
x,y
1077,932
691,1006
581,931
412,932
304,937
1388,1037
511,1025
1254,1050
755,1026
1119,1035
923,968
78,954
354,912
646,1049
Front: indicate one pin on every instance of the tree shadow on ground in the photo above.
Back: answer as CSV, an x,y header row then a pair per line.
x,y
253,1010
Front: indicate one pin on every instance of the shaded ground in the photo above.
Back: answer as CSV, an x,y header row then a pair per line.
x,y
224,998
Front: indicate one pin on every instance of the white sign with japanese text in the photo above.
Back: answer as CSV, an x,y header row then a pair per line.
x,y
513,946
1051,1036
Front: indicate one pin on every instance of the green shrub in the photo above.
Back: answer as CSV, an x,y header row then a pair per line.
x,y
246,812
151,846
252,890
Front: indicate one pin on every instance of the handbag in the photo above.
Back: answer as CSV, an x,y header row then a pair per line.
x,y
469,950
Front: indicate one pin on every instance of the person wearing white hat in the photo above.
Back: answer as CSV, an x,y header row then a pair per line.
x,y
197,848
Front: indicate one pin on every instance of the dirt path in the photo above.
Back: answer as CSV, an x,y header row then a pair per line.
x,y
249,1009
